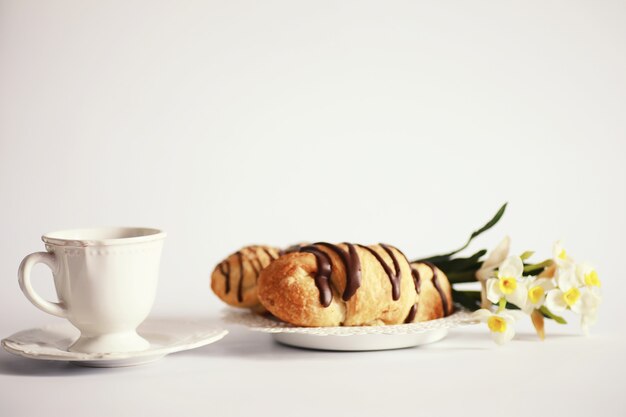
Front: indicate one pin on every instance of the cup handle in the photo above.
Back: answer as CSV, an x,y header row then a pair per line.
x,y
56,309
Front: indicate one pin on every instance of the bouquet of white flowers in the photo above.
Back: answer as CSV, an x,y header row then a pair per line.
x,y
512,287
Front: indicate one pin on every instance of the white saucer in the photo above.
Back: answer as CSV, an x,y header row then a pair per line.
x,y
165,336
363,342
351,339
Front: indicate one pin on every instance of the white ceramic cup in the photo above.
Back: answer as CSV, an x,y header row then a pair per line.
x,y
105,281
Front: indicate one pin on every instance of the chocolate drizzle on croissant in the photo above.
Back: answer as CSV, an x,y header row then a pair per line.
x,y
412,313
394,276
255,264
435,280
417,282
322,276
240,285
416,279
267,252
352,265
224,268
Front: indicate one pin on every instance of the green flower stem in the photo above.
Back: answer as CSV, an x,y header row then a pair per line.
x,y
502,305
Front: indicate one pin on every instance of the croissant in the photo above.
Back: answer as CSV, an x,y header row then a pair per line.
x,y
352,285
234,280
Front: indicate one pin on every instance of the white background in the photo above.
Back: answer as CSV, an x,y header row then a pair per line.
x,y
235,122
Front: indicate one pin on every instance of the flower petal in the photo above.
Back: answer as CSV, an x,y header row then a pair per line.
x,y
512,267
577,307
498,338
529,307
555,301
512,316
596,291
498,255
582,269
504,337
519,296
509,333
482,315
483,274
546,283
566,278
588,320
590,300
493,290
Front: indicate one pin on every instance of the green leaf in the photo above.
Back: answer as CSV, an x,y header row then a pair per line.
x,y
526,255
495,219
460,277
471,263
468,299
536,269
547,313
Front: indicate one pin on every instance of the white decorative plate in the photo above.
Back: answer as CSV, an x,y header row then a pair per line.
x,y
165,336
359,338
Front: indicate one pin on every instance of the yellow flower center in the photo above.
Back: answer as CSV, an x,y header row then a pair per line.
x,y
507,285
591,279
563,255
496,324
571,296
535,294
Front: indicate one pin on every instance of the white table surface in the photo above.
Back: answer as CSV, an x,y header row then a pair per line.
x,y
247,373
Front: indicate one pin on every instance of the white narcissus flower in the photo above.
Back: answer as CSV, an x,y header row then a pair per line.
x,y
507,283
568,293
560,256
591,297
495,258
566,277
537,288
578,288
500,324
587,275
590,301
